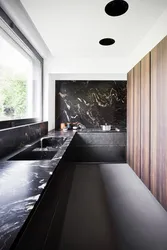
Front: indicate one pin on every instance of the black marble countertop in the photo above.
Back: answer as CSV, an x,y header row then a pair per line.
x,y
21,184
99,130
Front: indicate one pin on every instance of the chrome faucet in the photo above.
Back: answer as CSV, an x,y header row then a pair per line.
x,y
46,137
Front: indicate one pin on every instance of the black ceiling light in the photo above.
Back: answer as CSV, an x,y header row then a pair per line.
x,y
116,8
107,41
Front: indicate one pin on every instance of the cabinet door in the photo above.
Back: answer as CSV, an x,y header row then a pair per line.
x,y
130,119
145,119
158,155
136,118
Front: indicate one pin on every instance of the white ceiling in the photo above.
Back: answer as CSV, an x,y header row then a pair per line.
x,y
73,28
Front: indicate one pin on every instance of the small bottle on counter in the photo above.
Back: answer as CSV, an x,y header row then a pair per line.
x,y
69,126
62,126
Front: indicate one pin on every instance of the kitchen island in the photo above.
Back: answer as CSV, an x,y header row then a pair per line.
x,y
69,203
23,183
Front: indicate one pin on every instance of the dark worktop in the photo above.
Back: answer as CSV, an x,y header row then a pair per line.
x,y
99,130
21,185
97,206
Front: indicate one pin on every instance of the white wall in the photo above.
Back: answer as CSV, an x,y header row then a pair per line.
x,y
19,16
153,37
89,76
88,66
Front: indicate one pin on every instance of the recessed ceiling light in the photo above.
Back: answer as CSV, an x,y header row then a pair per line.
x,y
107,41
116,8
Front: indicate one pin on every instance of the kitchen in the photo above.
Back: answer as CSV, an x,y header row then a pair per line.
x,y
83,124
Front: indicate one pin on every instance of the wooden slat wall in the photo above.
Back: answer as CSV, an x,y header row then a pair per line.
x,y
159,122
136,119
145,120
130,119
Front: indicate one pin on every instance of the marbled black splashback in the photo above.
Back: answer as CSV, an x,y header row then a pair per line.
x,y
16,123
91,103
15,138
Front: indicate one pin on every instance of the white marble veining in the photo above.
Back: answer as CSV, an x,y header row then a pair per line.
x,y
92,103
21,185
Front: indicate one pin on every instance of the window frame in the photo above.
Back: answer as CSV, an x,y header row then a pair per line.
x,y
18,37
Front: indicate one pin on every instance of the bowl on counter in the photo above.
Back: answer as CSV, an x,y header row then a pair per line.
x,y
106,127
75,128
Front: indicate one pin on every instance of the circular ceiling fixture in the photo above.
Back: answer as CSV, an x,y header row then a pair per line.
x,y
107,41
116,8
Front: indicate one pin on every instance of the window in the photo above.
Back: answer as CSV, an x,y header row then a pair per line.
x,y
20,78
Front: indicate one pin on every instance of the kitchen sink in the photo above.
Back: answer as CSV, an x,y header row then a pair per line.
x,y
44,149
51,142
33,155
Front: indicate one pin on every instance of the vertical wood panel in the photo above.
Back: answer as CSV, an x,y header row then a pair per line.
x,y
130,119
136,116
145,120
159,122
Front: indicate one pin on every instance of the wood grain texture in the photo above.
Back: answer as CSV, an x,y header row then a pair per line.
x,y
145,120
159,122
130,119
136,118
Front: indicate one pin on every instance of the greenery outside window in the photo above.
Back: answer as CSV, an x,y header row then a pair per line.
x,y
20,78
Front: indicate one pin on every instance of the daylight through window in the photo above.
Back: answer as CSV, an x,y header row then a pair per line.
x,y
20,81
